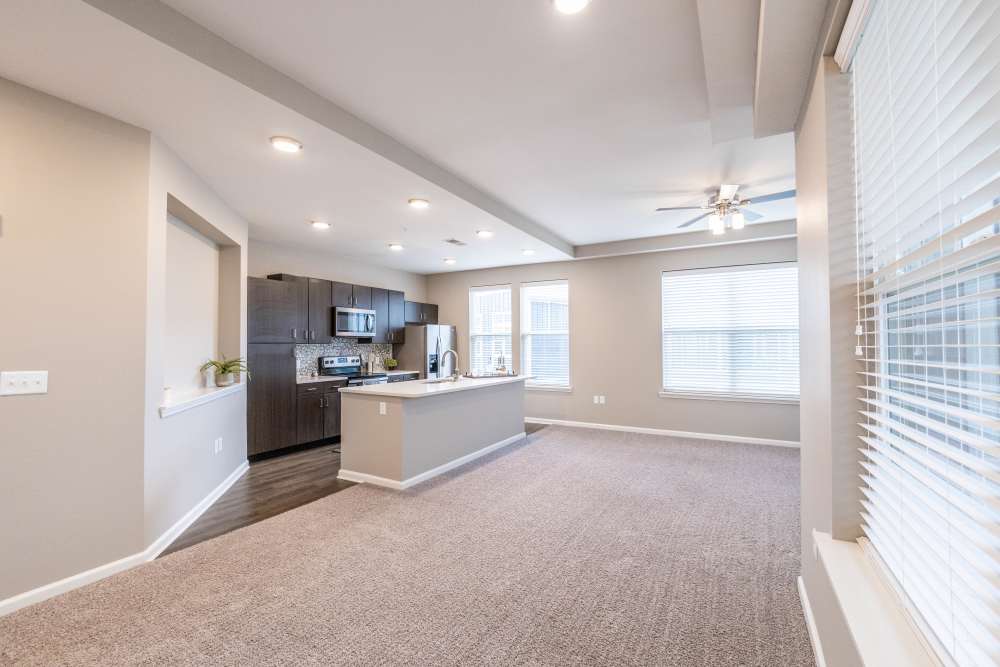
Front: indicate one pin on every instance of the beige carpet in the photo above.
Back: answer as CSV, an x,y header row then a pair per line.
x,y
578,547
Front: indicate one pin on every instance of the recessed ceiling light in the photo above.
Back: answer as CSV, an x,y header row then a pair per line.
x,y
571,6
450,260
418,203
395,247
527,252
484,234
286,144
319,224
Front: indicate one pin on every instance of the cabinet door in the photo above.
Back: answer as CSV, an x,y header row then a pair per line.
x,y
272,312
397,318
430,311
271,398
343,295
362,296
380,304
302,333
413,312
310,415
331,426
320,311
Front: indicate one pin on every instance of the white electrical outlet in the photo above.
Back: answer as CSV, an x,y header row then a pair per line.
x,y
381,407
602,400
24,382
218,445
597,400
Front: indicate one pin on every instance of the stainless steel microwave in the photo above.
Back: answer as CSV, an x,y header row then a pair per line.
x,y
354,323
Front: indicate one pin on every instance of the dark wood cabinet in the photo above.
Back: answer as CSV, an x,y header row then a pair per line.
x,y
320,311
397,318
380,304
420,313
362,296
271,421
343,295
273,312
318,411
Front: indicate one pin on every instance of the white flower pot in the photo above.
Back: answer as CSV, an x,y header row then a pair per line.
x,y
223,380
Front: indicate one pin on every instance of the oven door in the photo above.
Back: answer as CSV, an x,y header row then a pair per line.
x,y
354,323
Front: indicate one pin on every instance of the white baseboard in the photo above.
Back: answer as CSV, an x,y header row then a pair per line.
x,y
811,624
47,591
662,431
354,476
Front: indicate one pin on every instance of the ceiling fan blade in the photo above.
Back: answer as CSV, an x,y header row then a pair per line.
x,y
679,208
694,220
727,192
787,194
750,216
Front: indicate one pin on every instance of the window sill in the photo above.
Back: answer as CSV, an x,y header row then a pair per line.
x,y
548,387
739,398
191,399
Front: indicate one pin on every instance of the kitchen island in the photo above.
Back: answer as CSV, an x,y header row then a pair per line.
x,y
398,435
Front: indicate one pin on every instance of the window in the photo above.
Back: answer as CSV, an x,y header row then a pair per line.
x,y
732,332
489,328
926,95
545,332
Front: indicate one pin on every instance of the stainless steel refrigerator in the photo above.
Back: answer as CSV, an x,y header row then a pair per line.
x,y
425,344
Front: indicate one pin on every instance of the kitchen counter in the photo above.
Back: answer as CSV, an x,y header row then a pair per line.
x,y
395,372
390,439
423,389
308,379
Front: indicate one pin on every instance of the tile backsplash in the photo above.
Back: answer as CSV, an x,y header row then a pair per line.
x,y
306,355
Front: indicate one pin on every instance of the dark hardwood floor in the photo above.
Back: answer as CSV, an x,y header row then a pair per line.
x,y
269,487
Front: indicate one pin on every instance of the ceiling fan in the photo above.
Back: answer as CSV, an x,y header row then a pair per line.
x,y
726,210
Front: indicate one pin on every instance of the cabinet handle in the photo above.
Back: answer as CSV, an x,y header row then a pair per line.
x,y
295,333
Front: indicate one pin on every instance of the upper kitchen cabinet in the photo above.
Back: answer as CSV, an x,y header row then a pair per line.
x,y
273,312
343,295
362,297
314,301
380,304
397,318
420,313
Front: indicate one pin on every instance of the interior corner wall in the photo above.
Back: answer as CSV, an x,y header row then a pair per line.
x,y
270,258
824,166
181,467
73,197
615,340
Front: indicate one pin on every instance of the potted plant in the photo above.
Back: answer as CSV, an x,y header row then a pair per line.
x,y
390,363
225,369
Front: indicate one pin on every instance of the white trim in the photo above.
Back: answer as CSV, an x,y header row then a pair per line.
x,y
850,36
548,387
740,398
193,399
811,624
47,591
364,478
182,524
662,431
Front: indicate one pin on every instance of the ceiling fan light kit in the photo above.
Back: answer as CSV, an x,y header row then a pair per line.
x,y
727,210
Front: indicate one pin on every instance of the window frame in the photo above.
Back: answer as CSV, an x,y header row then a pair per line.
x,y
522,334
717,396
483,288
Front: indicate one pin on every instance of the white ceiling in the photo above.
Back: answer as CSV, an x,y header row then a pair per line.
x,y
583,124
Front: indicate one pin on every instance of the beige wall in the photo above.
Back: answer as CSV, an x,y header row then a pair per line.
x,y
73,187
825,198
615,340
192,317
268,258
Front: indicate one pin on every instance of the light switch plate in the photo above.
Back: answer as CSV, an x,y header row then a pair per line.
x,y
13,383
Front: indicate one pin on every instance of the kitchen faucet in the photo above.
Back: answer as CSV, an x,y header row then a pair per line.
x,y
453,376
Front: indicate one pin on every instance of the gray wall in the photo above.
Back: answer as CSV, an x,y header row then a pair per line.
x,y
268,258
73,193
824,180
615,340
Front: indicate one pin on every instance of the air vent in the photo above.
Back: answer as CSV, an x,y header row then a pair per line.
x,y
455,242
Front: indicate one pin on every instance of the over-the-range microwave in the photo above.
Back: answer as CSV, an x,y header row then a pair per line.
x,y
354,323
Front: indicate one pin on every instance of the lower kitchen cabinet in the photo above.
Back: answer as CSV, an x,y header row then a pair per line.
x,y
271,398
318,411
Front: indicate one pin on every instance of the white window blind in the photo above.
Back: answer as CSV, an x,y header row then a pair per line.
x,y
489,327
926,82
545,332
732,331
